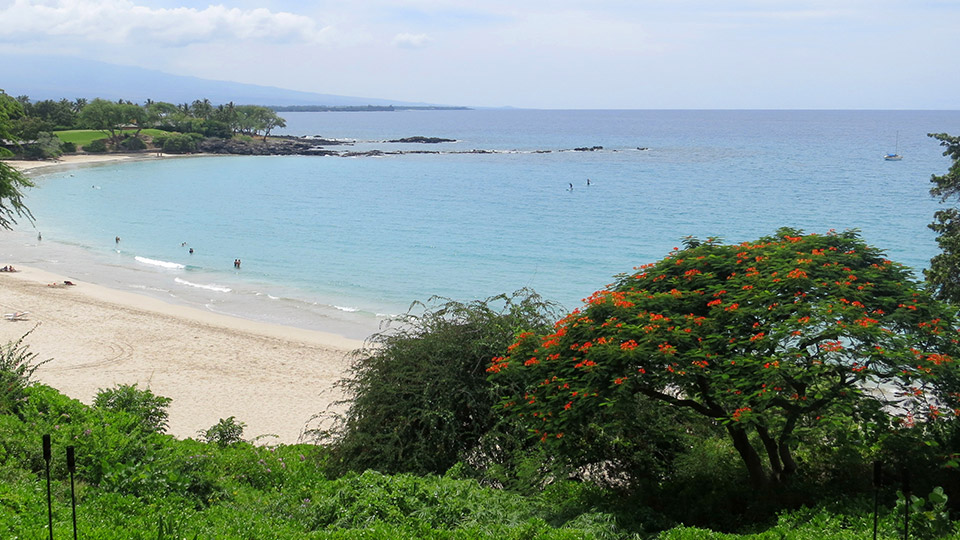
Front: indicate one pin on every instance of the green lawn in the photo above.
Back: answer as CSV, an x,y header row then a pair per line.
x,y
82,137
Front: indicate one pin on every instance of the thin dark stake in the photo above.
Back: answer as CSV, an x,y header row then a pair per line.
x,y
72,467
877,480
46,458
906,505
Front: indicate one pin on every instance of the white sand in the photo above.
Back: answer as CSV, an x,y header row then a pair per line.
x,y
271,377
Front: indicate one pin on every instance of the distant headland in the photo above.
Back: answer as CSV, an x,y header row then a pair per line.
x,y
362,108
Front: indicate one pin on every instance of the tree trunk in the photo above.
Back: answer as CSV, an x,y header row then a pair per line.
x,y
786,456
773,452
741,441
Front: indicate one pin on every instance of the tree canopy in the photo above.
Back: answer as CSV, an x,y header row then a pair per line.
x,y
762,337
944,271
12,181
419,396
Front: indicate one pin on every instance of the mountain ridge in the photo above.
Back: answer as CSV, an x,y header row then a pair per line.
x,y
56,77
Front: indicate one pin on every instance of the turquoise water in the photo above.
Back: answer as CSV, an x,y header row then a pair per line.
x,y
337,243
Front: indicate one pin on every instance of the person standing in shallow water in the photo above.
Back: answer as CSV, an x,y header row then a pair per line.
x,y
236,263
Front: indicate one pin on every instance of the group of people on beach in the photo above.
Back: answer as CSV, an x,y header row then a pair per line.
x,y
8,268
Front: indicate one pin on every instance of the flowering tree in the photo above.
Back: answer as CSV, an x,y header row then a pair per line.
x,y
760,337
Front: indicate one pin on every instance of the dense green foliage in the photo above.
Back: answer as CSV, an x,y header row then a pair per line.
x,y
177,143
135,483
765,338
12,181
96,146
124,123
418,392
944,271
150,408
226,432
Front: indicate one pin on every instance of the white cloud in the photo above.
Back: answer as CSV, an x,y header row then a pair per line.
x,y
411,41
122,22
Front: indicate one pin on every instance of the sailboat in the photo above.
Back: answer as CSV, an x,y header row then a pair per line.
x,y
896,155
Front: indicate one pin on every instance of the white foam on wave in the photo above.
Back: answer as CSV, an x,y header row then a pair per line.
x,y
347,309
146,288
162,264
210,287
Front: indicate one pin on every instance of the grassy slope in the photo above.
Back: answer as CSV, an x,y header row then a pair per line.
x,y
82,137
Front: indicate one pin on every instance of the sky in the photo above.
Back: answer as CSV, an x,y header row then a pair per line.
x,y
557,54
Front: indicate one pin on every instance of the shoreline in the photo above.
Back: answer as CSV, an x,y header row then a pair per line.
x,y
72,161
273,378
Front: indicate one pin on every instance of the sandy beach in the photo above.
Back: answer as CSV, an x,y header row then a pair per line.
x,y
271,377
69,161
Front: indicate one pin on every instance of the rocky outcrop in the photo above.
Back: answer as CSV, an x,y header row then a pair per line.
x,y
273,147
311,146
422,140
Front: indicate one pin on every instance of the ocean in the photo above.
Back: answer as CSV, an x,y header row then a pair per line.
x,y
339,244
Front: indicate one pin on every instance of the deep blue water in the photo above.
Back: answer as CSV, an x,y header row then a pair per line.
x,y
335,243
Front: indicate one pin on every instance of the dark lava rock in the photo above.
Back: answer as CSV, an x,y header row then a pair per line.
x,y
422,140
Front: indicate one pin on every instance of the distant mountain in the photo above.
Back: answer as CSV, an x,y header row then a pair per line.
x,y
55,77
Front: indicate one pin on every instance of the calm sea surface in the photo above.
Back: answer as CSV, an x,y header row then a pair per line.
x,y
336,244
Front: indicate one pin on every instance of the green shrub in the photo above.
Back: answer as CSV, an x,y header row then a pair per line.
x,y
179,143
133,143
17,366
215,128
420,399
68,147
46,146
224,433
147,407
96,146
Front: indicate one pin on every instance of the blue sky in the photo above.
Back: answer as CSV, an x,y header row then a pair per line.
x,y
869,54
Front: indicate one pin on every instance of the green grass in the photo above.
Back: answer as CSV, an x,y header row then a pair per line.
x,y
82,137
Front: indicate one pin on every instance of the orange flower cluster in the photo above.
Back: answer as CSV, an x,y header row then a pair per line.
x,y
498,363
831,346
667,349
